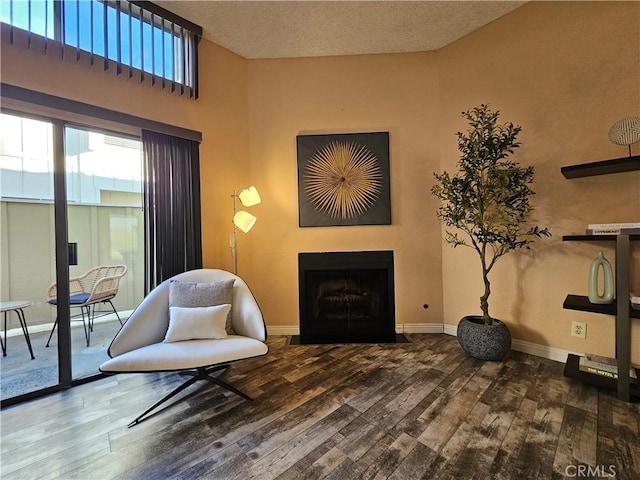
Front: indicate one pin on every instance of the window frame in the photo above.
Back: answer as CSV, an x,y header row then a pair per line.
x,y
150,18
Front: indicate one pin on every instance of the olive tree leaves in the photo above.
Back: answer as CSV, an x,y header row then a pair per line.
x,y
486,204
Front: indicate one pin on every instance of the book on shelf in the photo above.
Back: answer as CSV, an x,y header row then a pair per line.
x,y
632,228
635,300
603,366
613,231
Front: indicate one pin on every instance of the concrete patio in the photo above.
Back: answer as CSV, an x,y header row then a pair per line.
x,y
19,374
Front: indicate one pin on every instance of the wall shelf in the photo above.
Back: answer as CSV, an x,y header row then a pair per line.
x,y
595,238
622,306
572,370
604,167
621,309
582,303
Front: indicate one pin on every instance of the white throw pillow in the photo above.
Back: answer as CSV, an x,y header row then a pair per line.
x,y
191,323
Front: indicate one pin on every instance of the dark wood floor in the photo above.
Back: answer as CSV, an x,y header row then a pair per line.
x,y
403,411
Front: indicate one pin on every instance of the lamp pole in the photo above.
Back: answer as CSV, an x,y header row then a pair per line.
x,y
242,220
234,241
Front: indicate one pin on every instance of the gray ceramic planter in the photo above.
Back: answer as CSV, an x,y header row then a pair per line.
x,y
484,342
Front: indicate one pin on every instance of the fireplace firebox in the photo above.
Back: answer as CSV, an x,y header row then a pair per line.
x,y
346,297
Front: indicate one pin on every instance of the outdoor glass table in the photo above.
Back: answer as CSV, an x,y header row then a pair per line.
x,y
16,306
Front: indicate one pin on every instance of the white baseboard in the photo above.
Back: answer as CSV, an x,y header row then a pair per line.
x,y
419,328
283,330
544,351
450,329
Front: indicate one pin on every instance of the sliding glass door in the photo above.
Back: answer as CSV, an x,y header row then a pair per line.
x,y
106,234
27,260
80,189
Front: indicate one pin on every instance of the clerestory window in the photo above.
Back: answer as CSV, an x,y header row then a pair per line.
x,y
136,38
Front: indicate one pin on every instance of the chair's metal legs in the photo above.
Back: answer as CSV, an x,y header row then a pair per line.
x,y
87,326
87,331
25,331
90,311
208,370
164,399
220,383
4,344
115,311
202,373
55,324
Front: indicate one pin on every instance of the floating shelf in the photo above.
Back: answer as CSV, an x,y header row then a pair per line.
x,y
582,303
595,238
572,370
621,310
604,167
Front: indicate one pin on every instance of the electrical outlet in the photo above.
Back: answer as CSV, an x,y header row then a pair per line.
x,y
578,329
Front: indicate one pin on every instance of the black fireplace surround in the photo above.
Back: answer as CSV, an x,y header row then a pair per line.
x,y
346,297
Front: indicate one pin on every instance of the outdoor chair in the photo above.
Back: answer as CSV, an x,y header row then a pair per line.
x,y
98,285
196,323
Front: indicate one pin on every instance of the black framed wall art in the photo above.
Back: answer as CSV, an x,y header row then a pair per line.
x,y
343,179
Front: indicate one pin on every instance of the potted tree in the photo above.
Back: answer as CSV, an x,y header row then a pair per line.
x,y
486,206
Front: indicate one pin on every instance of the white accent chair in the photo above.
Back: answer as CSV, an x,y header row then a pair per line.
x,y
138,347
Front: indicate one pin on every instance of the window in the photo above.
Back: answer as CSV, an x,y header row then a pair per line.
x,y
139,37
102,168
100,213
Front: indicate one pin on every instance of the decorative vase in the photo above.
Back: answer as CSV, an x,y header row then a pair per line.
x,y
484,342
594,295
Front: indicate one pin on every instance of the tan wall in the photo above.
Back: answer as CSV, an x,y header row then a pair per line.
x,y
223,118
565,72
220,113
370,93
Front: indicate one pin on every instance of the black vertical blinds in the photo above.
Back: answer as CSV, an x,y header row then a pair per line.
x,y
138,35
171,206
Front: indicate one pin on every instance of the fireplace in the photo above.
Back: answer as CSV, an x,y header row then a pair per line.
x,y
346,297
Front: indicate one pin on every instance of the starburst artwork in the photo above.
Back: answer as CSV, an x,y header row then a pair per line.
x,y
343,179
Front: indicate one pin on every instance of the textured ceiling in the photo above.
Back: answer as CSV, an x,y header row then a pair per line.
x,y
280,29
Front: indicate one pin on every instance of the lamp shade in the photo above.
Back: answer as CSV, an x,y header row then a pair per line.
x,y
244,220
249,196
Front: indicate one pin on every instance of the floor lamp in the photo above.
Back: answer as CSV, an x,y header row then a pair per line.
x,y
242,220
